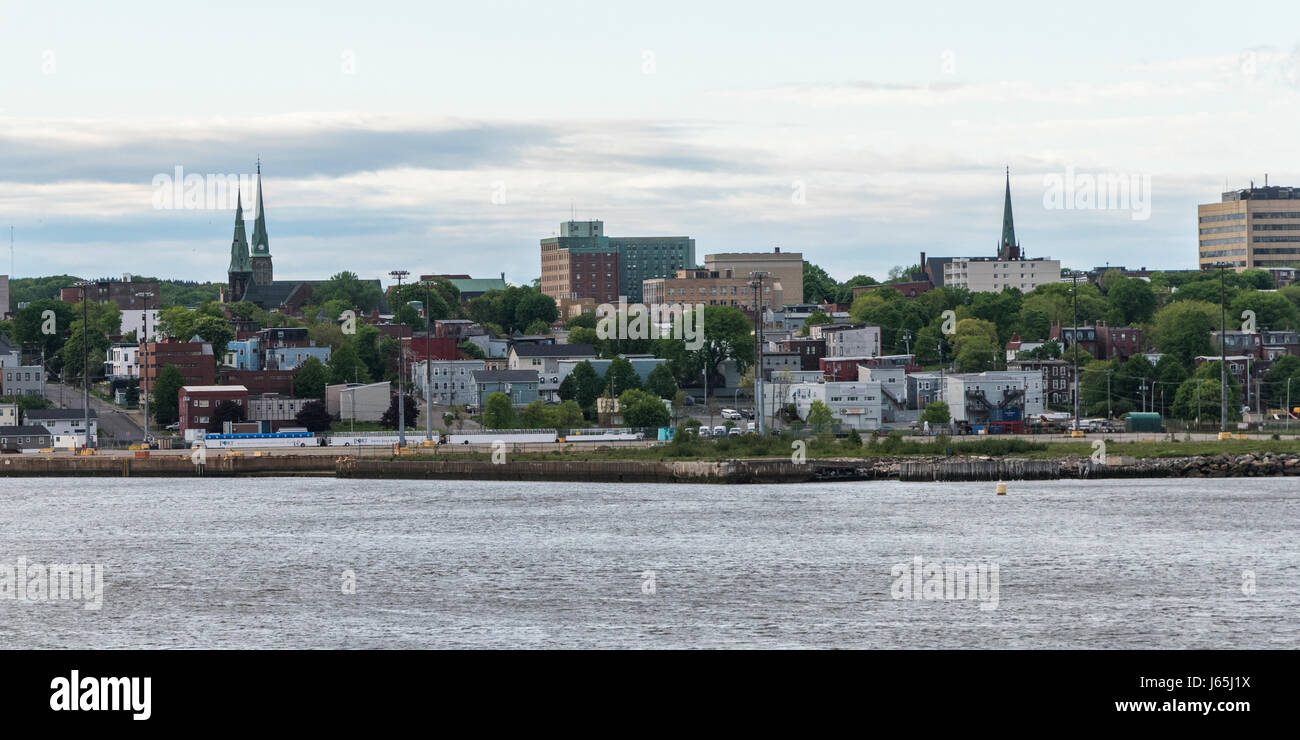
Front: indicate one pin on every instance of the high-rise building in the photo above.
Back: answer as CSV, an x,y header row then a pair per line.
x,y
1250,228
785,267
584,263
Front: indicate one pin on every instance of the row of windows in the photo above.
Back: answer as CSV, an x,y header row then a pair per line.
x,y
1216,242
4,441
1222,229
1224,217
1277,239
1278,250
25,376
1276,214
1222,253
1275,227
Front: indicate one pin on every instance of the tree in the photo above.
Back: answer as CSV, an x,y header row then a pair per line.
x,y
1133,299
661,382
225,411
389,418
975,354
587,385
216,330
642,409
364,295
818,287
1284,369
498,412
620,376
1272,311
728,335
309,381
820,417
346,367
936,412
315,417
1198,398
164,396
1183,329
471,350
816,317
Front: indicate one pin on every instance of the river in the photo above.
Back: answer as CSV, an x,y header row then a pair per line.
x,y
328,563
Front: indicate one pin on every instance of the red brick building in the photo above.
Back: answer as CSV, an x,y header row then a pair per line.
x,y
420,348
193,359
259,382
1101,341
196,403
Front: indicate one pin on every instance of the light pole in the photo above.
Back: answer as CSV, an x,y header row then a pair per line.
x,y
401,370
757,283
145,316
428,363
1074,278
85,352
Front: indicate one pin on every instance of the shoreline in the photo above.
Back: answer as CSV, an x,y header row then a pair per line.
x,y
739,471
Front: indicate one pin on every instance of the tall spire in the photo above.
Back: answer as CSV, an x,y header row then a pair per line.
x,y
1008,248
239,261
261,248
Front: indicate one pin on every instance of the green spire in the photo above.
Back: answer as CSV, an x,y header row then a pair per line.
x,y
260,246
1008,223
239,261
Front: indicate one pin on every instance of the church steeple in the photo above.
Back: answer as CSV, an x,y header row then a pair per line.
x,y
1008,248
241,268
260,245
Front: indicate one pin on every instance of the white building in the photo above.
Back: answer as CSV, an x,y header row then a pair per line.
x,y
122,361
971,397
137,320
68,426
363,402
854,405
989,274
8,414
452,381
848,340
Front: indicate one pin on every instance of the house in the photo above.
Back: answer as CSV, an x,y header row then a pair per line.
x,y
848,340
196,404
520,385
27,438
8,414
22,380
1279,343
68,426
810,350
451,381
1101,341
1001,399
292,358
122,361
544,359
1058,378
642,365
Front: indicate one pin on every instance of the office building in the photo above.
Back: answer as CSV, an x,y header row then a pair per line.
x,y
784,267
1252,228
584,263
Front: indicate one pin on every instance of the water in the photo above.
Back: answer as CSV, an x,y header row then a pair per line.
x,y
259,563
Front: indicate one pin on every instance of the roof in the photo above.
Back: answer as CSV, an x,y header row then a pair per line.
x,y
5,347
26,430
553,350
477,285
505,376
214,388
58,414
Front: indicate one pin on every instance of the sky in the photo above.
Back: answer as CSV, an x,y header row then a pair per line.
x,y
450,138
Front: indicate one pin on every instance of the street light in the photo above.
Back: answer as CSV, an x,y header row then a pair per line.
x,y
1074,278
401,370
1223,352
85,352
146,295
428,362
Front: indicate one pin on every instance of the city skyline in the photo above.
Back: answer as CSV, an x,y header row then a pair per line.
x,y
864,141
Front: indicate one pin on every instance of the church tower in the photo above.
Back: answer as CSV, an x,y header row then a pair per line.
x,y
1009,248
263,273
241,268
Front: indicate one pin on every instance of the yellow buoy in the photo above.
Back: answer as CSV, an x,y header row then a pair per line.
x,y
1002,488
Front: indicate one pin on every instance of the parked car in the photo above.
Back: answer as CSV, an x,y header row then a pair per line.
x,y
173,427
705,432
747,413
730,414
719,431
751,428
735,432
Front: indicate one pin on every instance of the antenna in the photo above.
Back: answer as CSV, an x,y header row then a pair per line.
x,y
11,251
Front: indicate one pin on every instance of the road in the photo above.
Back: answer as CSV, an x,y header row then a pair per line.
x,y
115,424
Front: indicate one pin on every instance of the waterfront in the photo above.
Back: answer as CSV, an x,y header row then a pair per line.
x,y
260,562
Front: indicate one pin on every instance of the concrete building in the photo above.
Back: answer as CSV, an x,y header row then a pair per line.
x,y
27,438
67,426
520,385
279,410
853,405
197,403
359,401
779,362
452,381
994,396
785,268
582,262
1251,228
848,340
712,288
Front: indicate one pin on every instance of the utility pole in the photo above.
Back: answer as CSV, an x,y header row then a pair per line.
x,y
85,352
757,282
145,343
1223,353
1074,277
401,370
428,364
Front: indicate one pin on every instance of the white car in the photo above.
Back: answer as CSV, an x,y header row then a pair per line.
x,y
731,414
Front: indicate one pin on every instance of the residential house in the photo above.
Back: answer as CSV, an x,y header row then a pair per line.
x,y
27,438
544,359
522,386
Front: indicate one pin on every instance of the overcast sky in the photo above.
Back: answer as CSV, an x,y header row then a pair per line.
x,y
440,137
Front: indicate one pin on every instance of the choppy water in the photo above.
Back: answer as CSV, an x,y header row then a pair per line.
x,y
259,563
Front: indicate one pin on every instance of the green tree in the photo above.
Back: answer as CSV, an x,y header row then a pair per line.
x,y
1182,329
309,381
225,411
936,412
218,331
498,412
1272,311
315,417
164,396
661,382
642,409
346,367
1282,383
820,417
620,376
1133,299
345,286
389,418
587,384
728,335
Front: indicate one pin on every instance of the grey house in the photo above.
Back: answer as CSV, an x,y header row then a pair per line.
x,y
520,385
25,439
